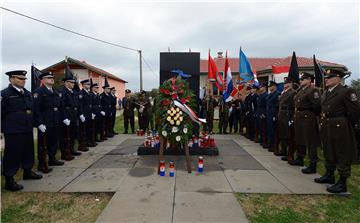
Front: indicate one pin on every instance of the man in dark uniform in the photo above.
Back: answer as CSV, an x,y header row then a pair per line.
x,y
340,109
106,101
69,116
47,120
128,105
272,107
113,107
85,111
261,114
223,115
209,104
97,127
286,121
17,126
307,106
143,106
250,105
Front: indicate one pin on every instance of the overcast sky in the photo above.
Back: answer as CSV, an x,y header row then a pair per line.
x,y
263,29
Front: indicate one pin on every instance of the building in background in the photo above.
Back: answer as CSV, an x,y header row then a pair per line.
x,y
83,70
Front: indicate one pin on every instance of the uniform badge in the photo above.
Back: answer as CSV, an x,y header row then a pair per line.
x,y
36,95
316,95
80,96
353,97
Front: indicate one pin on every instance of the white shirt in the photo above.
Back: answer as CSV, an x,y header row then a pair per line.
x,y
21,90
332,88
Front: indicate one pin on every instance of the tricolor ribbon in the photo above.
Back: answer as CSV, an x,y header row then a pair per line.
x,y
188,111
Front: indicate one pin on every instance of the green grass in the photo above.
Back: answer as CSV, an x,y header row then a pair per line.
x,y
305,208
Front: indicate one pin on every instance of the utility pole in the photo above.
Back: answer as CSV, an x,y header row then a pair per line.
x,y
141,81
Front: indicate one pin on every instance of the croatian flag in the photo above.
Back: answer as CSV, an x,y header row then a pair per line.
x,y
280,73
228,92
246,73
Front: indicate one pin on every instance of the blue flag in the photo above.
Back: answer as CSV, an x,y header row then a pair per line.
x,y
246,73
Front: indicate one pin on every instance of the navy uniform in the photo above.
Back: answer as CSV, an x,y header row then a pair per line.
x,y
340,110
251,106
307,107
261,115
272,107
106,101
85,114
69,116
17,126
128,105
113,106
47,120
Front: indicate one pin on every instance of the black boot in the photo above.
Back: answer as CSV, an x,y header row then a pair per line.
x,y
30,175
339,187
284,158
54,162
310,169
328,178
11,185
298,162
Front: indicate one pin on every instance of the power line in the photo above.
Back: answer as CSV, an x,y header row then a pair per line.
x,y
70,31
148,65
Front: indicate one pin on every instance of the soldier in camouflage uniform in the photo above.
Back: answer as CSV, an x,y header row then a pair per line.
x,y
223,115
143,106
209,103
128,105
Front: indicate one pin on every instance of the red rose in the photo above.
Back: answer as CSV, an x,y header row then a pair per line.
x,y
183,100
181,91
174,96
165,102
166,91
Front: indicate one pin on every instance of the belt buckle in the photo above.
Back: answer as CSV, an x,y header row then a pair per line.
x,y
28,112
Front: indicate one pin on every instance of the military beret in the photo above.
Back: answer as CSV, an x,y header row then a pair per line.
x,y
16,73
305,75
334,73
46,75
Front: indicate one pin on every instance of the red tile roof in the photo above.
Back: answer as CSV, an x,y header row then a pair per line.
x,y
262,64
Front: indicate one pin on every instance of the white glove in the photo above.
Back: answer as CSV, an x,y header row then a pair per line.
x,y
93,116
141,110
82,118
102,113
42,128
66,122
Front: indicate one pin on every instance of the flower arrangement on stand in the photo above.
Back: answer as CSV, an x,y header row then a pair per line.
x,y
173,123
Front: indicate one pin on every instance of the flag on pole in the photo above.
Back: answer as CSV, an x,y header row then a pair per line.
x,y
35,78
280,72
246,73
213,73
294,69
319,74
229,87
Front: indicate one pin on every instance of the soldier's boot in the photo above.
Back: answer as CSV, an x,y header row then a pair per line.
x,y
67,156
43,168
30,175
310,169
299,161
11,185
54,162
339,187
328,178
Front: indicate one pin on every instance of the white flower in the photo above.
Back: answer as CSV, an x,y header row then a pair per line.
x,y
168,119
181,118
164,133
185,130
172,109
177,122
175,129
168,111
175,118
180,112
178,138
171,122
177,109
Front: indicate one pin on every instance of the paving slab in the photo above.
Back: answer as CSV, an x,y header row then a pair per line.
x,y
115,161
208,181
275,163
211,163
128,146
102,149
230,148
147,206
53,181
239,162
83,161
299,183
207,207
256,150
97,180
116,140
255,181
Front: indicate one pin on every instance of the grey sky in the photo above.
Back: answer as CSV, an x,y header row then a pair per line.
x,y
328,29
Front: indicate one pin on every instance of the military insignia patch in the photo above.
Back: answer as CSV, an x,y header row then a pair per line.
x,y
80,96
36,95
353,97
316,95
